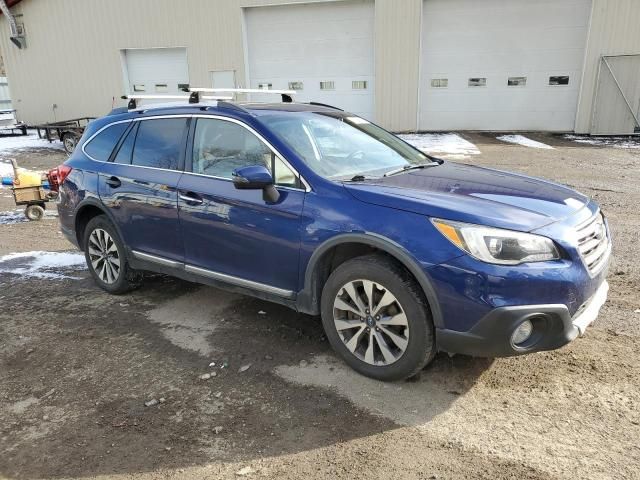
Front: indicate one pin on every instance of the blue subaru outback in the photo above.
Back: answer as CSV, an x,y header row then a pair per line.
x,y
402,254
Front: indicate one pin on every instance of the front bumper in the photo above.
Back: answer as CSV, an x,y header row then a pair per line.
x,y
553,328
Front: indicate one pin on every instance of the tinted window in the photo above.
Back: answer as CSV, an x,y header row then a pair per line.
x,y
220,147
101,146
159,143
126,149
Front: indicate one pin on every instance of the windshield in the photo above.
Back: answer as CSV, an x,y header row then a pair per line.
x,y
342,147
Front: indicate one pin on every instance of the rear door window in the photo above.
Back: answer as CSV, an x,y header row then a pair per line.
x,y
159,143
101,146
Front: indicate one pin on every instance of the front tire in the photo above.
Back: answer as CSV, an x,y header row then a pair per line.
x,y
106,259
375,317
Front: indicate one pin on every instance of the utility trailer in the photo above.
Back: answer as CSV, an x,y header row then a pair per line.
x,y
66,131
9,123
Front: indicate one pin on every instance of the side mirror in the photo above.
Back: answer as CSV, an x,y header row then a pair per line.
x,y
256,177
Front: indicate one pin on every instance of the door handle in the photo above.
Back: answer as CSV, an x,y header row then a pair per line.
x,y
191,198
113,182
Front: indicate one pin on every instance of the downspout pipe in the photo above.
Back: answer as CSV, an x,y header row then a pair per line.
x,y
12,24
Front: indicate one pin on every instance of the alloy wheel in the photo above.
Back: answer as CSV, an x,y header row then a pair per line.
x,y
104,256
371,322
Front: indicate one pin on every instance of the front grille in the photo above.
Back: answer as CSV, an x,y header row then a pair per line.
x,y
593,243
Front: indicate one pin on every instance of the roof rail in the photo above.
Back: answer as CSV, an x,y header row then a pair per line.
x,y
232,106
318,104
285,94
193,98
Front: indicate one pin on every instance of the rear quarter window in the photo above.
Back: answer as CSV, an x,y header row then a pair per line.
x,y
101,146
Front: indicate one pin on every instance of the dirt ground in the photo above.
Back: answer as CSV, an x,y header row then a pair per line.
x,y
78,365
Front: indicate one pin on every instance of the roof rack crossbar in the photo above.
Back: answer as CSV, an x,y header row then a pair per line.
x,y
239,90
194,97
175,97
285,94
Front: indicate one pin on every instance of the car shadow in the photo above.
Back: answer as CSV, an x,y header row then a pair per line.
x,y
77,407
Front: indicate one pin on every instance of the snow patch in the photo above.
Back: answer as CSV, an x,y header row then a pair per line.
x,y
524,141
442,144
615,142
17,216
11,217
22,142
38,264
6,169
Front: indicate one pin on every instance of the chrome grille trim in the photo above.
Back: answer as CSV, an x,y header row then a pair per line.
x,y
593,243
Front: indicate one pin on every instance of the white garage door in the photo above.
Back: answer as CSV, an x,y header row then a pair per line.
x,y
502,64
152,71
323,50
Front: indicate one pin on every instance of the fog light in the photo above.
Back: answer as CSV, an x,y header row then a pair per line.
x,y
522,333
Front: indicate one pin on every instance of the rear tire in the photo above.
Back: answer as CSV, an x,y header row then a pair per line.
x,y
390,337
106,258
34,212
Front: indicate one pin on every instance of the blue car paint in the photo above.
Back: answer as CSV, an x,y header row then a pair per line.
x,y
236,232
145,206
475,195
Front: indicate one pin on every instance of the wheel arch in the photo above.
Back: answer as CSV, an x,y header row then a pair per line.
x,y
87,210
309,297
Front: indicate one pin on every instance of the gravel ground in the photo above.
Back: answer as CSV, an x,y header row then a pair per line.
x,y
77,366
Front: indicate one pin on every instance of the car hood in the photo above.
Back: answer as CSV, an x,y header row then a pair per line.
x,y
473,194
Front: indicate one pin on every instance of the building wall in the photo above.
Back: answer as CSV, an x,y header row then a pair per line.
x,y
397,54
73,58
73,49
615,30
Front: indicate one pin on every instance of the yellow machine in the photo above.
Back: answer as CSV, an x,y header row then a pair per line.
x,y
28,190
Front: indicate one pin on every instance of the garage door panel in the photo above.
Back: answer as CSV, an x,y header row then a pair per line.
x,y
329,67
496,40
150,67
313,43
330,57
538,121
485,13
335,28
493,41
484,64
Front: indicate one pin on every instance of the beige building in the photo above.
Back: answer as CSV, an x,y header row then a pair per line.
x,y
555,65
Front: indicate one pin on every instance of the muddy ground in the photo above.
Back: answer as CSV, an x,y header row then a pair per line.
x,y
78,365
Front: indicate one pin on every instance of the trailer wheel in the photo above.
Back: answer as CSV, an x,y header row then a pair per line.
x,y
34,212
69,140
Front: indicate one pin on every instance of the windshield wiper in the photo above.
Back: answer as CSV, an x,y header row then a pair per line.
x,y
360,178
407,168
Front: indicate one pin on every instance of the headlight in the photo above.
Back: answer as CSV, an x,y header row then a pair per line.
x,y
495,245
